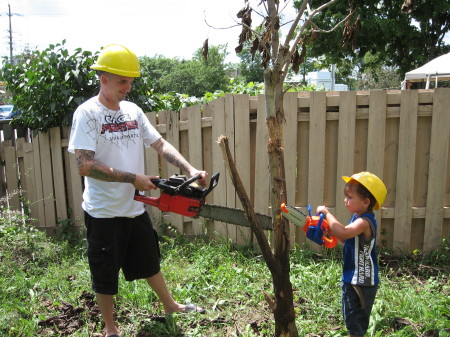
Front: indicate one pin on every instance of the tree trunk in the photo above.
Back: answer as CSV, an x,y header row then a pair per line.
x,y
284,304
277,261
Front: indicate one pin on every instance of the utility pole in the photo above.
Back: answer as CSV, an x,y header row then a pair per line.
x,y
10,36
10,33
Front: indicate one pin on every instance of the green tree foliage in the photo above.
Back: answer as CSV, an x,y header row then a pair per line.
x,y
48,86
250,67
192,77
158,67
396,33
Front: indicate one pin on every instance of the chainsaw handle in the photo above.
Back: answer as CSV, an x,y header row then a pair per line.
x,y
157,182
212,184
187,183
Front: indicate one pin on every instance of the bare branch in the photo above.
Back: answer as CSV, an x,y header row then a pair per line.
x,y
247,205
295,23
210,26
273,13
332,29
308,20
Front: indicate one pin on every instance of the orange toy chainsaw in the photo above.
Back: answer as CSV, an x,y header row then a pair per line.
x,y
316,228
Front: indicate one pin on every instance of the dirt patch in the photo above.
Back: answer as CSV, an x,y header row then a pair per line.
x,y
70,317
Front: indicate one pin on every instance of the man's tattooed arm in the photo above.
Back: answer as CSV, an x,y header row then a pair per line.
x,y
90,167
169,153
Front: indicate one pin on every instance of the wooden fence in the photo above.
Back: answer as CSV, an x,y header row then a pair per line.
x,y
402,136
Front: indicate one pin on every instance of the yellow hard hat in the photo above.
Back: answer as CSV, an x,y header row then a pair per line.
x,y
373,184
119,60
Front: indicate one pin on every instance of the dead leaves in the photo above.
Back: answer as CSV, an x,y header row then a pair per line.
x,y
350,32
205,49
245,14
408,6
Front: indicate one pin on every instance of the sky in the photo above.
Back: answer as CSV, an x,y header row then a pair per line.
x,y
172,28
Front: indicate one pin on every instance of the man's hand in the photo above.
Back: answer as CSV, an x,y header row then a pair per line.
x,y
144,183
202,181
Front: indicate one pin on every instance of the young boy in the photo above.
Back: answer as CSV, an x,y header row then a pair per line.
x,y
364,192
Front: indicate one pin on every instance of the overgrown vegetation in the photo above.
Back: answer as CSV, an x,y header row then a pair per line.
x,y
47,86
45,290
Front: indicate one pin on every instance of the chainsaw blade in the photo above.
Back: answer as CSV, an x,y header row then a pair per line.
x,y
233,216
294,216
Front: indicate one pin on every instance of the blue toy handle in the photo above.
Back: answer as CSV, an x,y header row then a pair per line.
x,y
318,231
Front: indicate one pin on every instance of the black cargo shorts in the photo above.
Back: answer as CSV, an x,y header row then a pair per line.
x,y
130,244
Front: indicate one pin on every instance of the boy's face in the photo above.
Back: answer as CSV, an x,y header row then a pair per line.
x,y
355,203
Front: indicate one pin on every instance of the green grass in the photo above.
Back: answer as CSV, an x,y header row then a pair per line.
x,y
45,290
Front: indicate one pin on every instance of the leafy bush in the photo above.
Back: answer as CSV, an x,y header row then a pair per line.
x,y
48,86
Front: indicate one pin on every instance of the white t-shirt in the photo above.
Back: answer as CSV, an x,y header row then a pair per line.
x,y
118,139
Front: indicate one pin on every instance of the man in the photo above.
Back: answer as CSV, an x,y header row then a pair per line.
x,y
108,137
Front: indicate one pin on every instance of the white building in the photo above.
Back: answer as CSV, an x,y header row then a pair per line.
x,y
325,79
321,79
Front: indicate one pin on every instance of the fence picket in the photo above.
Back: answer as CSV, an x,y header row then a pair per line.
x,y
194,117
316,169
262,177
242,154
38,182
11,175
290,152
230,133
58,173
173,137
438,172
346,149
376,140
217,111
405,176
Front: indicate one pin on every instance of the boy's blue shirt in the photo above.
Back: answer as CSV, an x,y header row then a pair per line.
x,y
360,256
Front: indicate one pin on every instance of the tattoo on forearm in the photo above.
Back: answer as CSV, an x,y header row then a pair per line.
x,y
97,170
175,158
169,153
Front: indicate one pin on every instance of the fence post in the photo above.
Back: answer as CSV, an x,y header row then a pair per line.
x,y
439,147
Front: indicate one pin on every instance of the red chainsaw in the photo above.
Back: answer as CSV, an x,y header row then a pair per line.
x,y
182,196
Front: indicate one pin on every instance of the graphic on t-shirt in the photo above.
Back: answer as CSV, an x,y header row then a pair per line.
x,y
120,130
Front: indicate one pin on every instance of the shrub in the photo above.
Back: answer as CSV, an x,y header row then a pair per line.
x,y
48,86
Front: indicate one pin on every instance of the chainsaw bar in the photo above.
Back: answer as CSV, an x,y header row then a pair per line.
x,y
233,216
293,215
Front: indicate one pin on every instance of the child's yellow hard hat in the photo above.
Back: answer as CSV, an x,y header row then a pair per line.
x,y
373,184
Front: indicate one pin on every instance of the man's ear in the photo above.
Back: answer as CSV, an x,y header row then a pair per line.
x,y
103,78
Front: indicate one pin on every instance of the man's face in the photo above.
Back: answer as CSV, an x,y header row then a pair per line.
x,y
117,87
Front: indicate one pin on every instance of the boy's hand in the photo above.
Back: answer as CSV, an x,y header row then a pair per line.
x,y
322,209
